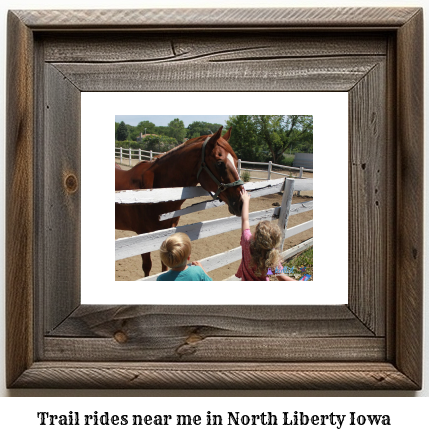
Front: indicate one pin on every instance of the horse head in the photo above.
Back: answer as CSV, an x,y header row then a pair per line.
x,y
218,171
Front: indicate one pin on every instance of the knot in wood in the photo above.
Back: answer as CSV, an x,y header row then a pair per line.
x,y
120,337
71,183
192,338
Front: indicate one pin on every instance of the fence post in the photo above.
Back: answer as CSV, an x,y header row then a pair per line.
x,y
239,167
129,155
140,154
270,166
285,208
300,176
120,154
150,155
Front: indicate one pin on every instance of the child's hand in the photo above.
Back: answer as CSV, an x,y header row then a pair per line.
x,y
245,197
196,263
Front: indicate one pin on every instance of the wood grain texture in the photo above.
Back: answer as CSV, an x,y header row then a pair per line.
x,y
391,193
295,74
213,333
247,321
368,174
409,264
215,376
378,337
151,19
19,200
216,349
227,47
61,185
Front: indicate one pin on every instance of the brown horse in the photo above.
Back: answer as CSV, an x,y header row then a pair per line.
x,y
208,160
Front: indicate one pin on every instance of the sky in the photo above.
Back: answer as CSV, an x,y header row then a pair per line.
x,y
163,120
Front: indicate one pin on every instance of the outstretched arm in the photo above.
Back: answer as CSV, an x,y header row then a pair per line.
x,y
245,198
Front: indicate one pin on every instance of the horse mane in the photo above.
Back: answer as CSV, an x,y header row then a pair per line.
x,y
225,145
173,150
197,139
158,156
142,163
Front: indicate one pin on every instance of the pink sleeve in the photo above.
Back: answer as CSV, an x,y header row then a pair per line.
x,y
246,235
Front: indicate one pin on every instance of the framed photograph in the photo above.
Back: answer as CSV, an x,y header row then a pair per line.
x,y
57,60
216,247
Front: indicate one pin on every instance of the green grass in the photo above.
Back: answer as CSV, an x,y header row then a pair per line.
x,y
288,160
301,260
245,176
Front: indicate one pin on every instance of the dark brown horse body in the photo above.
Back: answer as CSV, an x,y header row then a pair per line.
x,y
177,168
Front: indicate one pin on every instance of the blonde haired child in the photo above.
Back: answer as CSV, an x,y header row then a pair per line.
x,y
175,252
259,251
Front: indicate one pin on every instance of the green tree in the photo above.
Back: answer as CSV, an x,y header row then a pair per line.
x,y
283,133
162,130
122,132
298,133
176,129
269,137
244,138
200,128
145,127
159,143
270,131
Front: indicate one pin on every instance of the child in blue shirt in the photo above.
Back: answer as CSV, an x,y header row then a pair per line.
x,y
175,252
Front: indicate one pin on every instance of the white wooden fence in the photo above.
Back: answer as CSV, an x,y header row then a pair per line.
x,y
126,155
135,245
270,166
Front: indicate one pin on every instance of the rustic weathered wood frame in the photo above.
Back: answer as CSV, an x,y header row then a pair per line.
x,y
375,342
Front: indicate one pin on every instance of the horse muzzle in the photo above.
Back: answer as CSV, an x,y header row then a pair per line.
x,y
235,207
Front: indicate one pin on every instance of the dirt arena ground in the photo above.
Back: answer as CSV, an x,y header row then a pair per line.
x,y
130,269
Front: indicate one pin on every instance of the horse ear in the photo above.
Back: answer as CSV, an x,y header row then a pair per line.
x,y
227,135
213,140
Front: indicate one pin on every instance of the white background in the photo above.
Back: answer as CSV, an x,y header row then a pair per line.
x,y
330,174
19,413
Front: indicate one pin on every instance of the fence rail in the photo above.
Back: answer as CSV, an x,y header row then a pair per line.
x,y
132,246
174,194
269,169
127,154
124,154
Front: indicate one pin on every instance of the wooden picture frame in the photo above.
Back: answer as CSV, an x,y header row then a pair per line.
x,y
374,342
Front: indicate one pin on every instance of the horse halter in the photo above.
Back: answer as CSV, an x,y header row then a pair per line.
x,y
220,186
